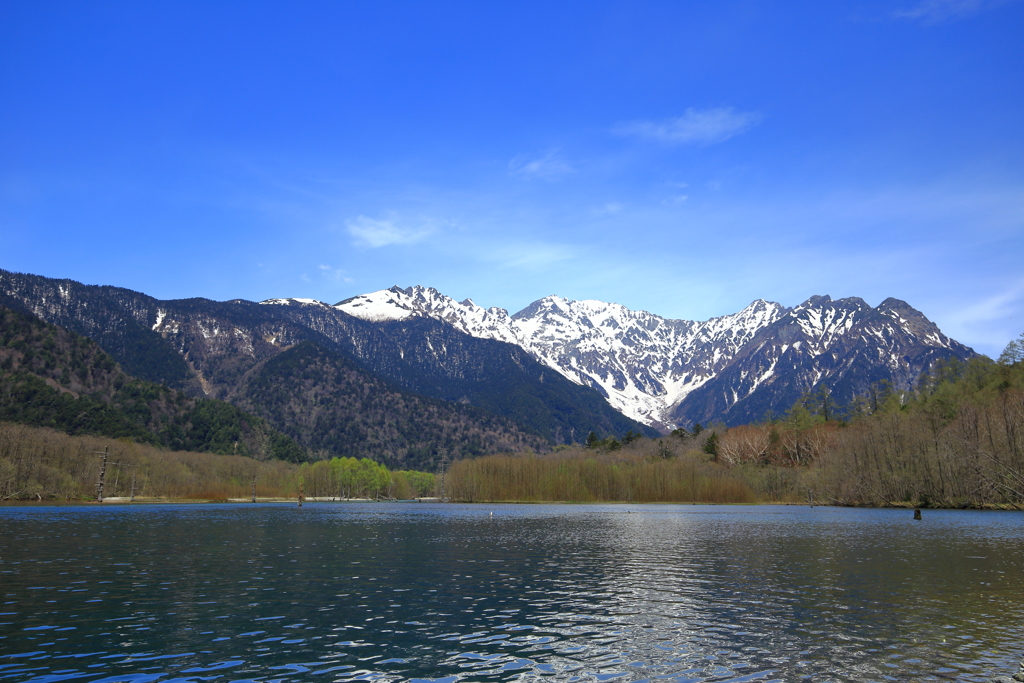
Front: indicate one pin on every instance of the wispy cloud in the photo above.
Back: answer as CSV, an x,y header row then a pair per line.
x,y
528,255
694,127
937,11
537,256
550,166
336,274
989,319
381,232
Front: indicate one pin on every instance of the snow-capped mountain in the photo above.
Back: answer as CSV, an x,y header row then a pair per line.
x,y
654,370
845,344
664,372
642,363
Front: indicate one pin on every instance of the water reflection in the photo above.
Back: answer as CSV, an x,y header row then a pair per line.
x,y
575,593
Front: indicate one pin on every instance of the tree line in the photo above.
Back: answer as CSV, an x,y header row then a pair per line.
x,y
38,463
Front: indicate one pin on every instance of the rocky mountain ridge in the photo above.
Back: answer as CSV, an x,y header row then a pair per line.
x,y
659,372
666,372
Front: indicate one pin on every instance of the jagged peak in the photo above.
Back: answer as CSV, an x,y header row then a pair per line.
x,y
532,309
899,305
580,307
901,311
825,301
759,305
815,301
913,322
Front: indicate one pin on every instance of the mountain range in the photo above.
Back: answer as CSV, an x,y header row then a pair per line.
x,y
406,393
413,375
663,372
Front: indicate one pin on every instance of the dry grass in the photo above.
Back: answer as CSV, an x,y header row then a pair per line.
x,y
589,477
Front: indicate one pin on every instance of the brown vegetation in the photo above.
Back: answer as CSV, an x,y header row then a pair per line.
x,y
957,442
970,458
645,471
44,464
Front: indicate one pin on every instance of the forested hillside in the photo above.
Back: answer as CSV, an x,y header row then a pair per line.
x,y
957,441
335,408
51,377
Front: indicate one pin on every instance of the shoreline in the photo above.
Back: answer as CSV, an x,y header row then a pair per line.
x,y
144,500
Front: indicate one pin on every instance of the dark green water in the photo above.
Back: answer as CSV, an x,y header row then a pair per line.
x,y
388,592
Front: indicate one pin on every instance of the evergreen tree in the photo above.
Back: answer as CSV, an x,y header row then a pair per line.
x,y
711,445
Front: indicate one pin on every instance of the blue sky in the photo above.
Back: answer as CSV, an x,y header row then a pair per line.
x,y
682,158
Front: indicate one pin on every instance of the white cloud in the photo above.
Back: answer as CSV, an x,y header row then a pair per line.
x,y
373,233
695,127
337,274
551,166
935,11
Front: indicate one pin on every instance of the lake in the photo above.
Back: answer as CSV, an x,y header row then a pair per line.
x,y
420,591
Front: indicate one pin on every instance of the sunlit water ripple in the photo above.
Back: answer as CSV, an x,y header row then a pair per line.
x,y
409,591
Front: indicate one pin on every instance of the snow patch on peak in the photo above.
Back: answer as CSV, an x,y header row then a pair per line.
x,y
379,306
293,301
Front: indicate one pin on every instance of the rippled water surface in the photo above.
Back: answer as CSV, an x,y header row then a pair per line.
x,y
343,592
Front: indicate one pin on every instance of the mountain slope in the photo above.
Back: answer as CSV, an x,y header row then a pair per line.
x,y
334,407
51,377
559,368
432,358
118,319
